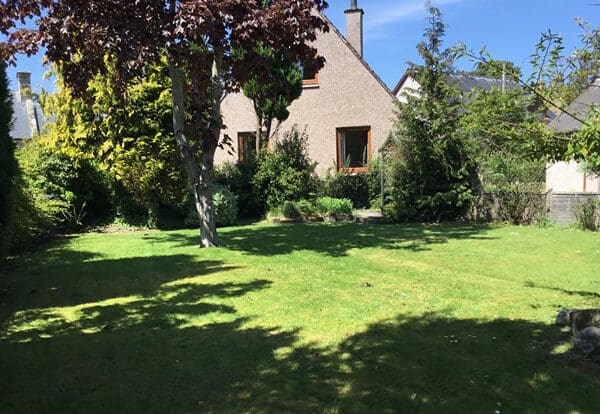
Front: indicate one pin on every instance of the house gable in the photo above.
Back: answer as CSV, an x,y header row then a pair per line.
x,y
568,177
348,95
564,123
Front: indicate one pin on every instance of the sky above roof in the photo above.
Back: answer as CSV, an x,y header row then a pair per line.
x,y
392,29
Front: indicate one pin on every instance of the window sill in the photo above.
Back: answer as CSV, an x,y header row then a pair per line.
x,y
354,170
314,85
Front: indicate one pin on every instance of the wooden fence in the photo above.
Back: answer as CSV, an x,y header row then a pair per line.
x,y
561,206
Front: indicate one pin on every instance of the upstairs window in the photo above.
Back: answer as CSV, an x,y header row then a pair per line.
x,y
246,144
353,149
310,76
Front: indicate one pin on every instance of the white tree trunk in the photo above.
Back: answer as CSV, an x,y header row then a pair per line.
x,y
200,178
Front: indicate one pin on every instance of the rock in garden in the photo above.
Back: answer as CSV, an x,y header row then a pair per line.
x,y
563,317
588,340
582,318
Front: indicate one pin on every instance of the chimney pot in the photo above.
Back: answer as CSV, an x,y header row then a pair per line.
x,y
353,4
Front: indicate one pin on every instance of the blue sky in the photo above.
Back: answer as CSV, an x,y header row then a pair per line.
x,y
509,28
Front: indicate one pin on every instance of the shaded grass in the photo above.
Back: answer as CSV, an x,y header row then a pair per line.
x,y
300,318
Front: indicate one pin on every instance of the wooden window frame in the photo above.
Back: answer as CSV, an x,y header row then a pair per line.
x,y
241,136
340,161
311,82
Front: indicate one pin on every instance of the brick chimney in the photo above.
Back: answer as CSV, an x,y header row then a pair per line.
x,y
354,26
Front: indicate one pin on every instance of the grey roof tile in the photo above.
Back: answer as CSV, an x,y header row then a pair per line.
x,y
467,83
21,127
565,123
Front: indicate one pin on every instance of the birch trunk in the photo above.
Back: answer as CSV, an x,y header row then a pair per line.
x,y
258,136
200,179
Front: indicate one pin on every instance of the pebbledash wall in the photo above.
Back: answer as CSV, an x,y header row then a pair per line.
x,y
348,94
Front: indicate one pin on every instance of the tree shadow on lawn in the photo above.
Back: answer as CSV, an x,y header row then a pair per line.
x,y
335,239
74,282
426,364
590,295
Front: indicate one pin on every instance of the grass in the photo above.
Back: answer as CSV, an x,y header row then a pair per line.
x,y
333,318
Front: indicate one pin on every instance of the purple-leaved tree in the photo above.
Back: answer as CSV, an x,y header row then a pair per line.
x,y
210,46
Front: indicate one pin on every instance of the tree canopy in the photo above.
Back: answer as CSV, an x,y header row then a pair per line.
x,y
433,167
209,45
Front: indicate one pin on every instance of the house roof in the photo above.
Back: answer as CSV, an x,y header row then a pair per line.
x,y
21,128
466,82
358,56
21,125
565,123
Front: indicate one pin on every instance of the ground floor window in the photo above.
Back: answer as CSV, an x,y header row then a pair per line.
x,y
353,149
246,144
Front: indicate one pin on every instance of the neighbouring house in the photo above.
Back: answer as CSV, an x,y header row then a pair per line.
x,y
346,109
28,118
464,82
569,177
566,182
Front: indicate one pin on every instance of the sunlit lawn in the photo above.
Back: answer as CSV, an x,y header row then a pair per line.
x,y
301,318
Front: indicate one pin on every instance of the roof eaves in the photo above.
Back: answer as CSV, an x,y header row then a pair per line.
x,y
400,83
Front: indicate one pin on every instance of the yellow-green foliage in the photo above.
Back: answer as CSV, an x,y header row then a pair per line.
x,y
128,132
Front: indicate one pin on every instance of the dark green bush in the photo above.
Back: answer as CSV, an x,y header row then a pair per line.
x,y
226,210
307,208
587,214
333,206
354,187
363,189
238,177
37,217
54,194
286,173
80,187
290,210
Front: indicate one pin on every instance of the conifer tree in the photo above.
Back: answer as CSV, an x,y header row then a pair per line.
x,y
8,164
433,170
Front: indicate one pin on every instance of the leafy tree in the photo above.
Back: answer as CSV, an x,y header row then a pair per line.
x,y
433,168
560,78
208,45
504,134
8,163
556,80
498,68
584,144
129,137
501,124
272,90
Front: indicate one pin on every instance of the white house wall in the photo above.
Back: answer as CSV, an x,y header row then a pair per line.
x,y
410,87
567,177
348,95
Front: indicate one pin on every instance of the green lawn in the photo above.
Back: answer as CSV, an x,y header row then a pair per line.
x,y
334,318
